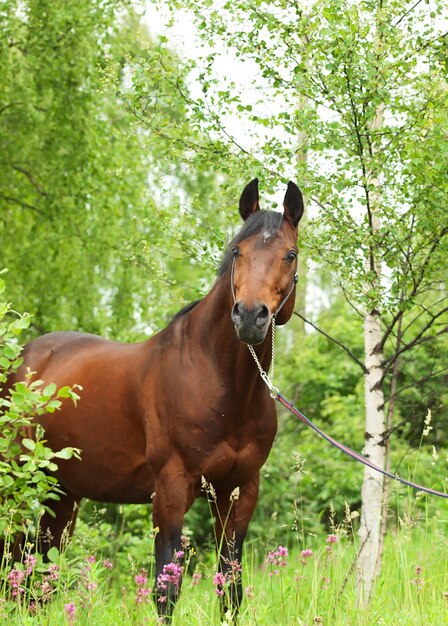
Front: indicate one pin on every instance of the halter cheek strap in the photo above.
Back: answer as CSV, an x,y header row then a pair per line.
x,y
293,284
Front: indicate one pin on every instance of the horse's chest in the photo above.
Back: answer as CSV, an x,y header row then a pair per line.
x,y
234,464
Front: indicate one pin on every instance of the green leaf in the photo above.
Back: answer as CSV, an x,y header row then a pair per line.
x,y
65,453
64,392
54,555
29,444
49,389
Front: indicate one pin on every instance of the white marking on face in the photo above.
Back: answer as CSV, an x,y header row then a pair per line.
x,y
266,235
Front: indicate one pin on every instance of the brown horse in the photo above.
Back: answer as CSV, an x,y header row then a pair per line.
x,y
155,417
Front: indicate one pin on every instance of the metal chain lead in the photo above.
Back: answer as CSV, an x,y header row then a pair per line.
x,y
267,378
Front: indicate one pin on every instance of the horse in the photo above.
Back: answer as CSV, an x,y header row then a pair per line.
x,y
158,418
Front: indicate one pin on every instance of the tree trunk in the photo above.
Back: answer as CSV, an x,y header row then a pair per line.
x,y
372,488
369,557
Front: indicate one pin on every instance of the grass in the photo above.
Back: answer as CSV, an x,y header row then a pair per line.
x,y
297,588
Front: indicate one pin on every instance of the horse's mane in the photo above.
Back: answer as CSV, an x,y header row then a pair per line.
x,y
267,222
186,309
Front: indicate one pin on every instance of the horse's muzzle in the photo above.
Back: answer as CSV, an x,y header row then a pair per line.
x,y
251,325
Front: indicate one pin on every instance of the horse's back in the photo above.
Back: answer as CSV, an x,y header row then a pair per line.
x,y
62,344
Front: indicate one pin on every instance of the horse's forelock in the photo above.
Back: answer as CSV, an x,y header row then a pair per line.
x,y
267,223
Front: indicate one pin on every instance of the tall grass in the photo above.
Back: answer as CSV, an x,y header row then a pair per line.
x,y
315,583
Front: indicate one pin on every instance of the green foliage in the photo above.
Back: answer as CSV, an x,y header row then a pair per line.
x,y
82,587
351,98
333,67
26,462
95,142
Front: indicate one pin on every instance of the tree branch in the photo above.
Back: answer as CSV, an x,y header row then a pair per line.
x,y
416,283
417,341
336,341
407,12
31,178
22,203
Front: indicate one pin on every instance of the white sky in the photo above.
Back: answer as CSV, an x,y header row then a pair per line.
x,y
185,42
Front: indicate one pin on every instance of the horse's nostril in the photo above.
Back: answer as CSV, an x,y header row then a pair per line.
x,y
236,313
256,316
263,313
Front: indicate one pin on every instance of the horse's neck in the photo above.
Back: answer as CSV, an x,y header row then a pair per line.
x,y
214,326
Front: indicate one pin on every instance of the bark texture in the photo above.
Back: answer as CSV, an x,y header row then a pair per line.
x,y
372,488
369,559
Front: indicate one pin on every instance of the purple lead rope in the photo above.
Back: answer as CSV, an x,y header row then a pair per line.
x,y
354,455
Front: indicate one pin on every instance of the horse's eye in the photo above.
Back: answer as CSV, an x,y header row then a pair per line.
x,y
236,251
291,256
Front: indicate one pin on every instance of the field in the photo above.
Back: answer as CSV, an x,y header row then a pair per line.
x,y
312,583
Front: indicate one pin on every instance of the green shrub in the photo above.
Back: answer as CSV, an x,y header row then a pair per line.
x,y
26,462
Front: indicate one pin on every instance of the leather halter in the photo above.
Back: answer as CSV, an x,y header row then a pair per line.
x,y
279,308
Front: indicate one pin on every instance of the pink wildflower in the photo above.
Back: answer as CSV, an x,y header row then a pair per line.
x,y
171,576
179,554
70,609
46,588
30,561
107,563
277,557
143,594
196,578
90,586
219,580
249,591
306,554
15,578
53,572
418,581
141,579
91,559
332,539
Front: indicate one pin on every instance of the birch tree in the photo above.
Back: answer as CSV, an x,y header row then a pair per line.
x,y
375,176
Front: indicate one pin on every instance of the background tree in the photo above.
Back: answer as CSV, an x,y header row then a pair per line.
x,y
376,75
95,147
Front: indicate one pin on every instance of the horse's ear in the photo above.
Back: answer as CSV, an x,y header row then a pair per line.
x,y
249,199
293,204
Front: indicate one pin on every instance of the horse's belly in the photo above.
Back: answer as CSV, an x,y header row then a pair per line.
x,y
127,483
113,463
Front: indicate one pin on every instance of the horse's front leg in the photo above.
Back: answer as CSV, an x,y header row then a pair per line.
x,y
233,513
170,504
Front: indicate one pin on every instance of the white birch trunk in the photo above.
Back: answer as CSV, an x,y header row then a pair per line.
x,y
374,449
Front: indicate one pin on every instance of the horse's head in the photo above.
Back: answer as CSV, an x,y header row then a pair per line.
x,y
263,264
